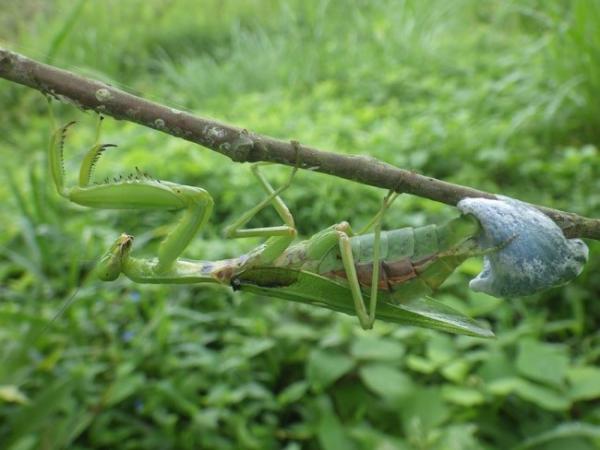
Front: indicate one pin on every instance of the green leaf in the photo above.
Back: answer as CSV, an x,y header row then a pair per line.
x,y
584,382
123,387
542,362
330,431
544,397
562,431
496,366
313,289
424,410
503,386
462,396
369,347
440,349
456,370
292,393
386,381
420,364
325,367
254,347
458,437
479,303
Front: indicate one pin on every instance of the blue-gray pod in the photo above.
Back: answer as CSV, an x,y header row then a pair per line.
x,y
533,254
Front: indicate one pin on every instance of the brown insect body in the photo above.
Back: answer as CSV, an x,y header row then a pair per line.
x,y
414,261
391,273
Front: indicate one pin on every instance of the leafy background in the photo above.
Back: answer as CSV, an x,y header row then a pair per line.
x,y
500,95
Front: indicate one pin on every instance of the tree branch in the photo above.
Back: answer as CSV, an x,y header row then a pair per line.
x,y
243,146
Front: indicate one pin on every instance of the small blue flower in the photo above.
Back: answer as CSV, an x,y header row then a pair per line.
x,y
127,336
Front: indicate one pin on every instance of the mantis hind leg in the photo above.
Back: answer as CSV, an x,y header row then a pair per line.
x,y
366,318
339,235
387,201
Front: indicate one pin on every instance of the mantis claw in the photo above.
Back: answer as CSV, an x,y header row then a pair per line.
x,y
139,192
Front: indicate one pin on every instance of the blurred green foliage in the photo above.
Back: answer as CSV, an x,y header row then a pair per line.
x,y
498,95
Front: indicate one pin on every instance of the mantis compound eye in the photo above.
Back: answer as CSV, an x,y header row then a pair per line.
x,y
532,253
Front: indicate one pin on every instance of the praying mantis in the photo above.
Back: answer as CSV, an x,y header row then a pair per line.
x,y
394,271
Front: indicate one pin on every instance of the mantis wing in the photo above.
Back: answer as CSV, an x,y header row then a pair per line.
x,y
313,289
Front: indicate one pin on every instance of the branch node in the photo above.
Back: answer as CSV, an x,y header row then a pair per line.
x,y
240,148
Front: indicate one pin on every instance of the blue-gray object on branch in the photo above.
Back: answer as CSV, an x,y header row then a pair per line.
x,y
534,254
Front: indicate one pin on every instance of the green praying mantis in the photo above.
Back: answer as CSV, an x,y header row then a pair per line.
x,y
381,274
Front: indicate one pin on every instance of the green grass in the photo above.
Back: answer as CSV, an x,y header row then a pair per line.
x,y
574,58
497,95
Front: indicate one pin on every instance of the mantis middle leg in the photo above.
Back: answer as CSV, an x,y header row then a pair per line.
x,y
340,235
280,237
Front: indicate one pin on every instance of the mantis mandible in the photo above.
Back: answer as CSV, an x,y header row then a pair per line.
x,y
393,270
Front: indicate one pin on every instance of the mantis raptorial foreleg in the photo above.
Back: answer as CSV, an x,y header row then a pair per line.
x,y
133,192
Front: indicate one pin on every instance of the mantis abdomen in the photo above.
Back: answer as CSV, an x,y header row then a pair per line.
x,y
414,261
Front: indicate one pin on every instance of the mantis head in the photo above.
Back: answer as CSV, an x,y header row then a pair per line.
x,y
110,265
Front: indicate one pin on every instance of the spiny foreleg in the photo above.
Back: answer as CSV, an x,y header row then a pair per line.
x,y
138,192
